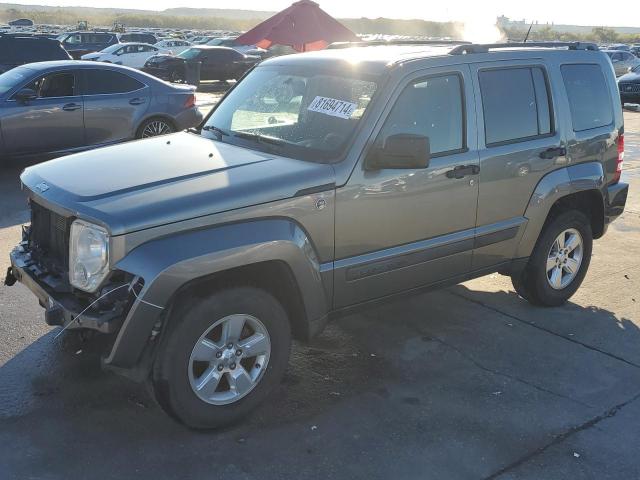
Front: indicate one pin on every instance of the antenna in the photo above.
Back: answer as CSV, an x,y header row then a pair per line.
x,y
528,32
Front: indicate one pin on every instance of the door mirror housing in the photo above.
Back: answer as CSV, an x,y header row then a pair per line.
x,y
26,95
402,150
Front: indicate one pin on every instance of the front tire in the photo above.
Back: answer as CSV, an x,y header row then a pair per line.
x,y
559,261
222,356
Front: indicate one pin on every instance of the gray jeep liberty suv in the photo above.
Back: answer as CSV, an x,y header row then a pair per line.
x,y
324,182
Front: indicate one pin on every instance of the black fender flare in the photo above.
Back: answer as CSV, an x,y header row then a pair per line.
x,y
551,188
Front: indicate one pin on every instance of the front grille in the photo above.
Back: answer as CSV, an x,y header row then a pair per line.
x,y
629,88
49,238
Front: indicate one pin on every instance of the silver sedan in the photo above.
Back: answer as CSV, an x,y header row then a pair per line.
x,y
68,106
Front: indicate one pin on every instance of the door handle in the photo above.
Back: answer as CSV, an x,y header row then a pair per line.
x,y
462,171
554,152
137,101
70,107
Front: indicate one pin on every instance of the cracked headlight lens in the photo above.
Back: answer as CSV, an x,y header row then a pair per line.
x,y
88,255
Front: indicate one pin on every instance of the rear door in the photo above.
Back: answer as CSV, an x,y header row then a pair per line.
x,y
518,144
115,104
51,122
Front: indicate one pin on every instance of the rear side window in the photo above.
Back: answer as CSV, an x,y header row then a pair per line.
x,y
589,98
516,104
101,82
432,107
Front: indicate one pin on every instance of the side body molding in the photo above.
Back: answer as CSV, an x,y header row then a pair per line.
x,y
168,263
552,187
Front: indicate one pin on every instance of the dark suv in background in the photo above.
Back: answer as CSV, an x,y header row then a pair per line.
x,y
138,37
79,43
19,50
216,63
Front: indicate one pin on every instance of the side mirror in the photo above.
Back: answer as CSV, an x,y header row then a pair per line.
x,y
26,95
403,150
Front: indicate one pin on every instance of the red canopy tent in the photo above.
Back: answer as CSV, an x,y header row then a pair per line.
x,y
303,26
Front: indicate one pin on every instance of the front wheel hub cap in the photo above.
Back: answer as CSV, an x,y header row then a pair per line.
x,y
229,359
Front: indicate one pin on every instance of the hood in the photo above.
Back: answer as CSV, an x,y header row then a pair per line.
x,y
631,77
147,183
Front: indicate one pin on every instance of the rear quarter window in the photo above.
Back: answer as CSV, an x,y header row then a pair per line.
x,y
588,95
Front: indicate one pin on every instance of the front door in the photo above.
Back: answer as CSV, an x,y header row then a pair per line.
x,y
51,122
398,229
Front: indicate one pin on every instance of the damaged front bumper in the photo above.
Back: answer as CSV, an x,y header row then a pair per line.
x,y
62,306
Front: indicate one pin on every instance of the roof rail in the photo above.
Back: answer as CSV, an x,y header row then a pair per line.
x,y
377,43
484,48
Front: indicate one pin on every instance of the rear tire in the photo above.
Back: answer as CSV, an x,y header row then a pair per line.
x,y
195,352
154,127
559,261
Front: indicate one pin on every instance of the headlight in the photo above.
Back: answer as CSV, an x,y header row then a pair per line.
x,y
88,255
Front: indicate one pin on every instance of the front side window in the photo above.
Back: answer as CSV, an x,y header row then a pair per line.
x,y
54,85
103,82
299,113
431,107
589,97
516,104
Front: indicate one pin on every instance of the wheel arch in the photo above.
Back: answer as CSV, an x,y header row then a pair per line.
x,y
174,268
581,187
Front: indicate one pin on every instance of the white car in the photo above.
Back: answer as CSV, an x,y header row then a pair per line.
x,y
128,54
176,46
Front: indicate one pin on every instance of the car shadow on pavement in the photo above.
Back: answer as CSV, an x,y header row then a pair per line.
x,y
354,355
396,379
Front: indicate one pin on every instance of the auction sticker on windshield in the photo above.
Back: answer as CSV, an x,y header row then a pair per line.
x,y
333,107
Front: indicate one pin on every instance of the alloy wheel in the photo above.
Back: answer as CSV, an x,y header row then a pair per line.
x,y
564,259
155,128
229,359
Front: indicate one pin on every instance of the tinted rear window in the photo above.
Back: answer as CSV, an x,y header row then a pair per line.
x,y
515,103
589,97
100,82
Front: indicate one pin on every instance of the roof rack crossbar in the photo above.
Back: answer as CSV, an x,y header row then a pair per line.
x,y
484,48
377,43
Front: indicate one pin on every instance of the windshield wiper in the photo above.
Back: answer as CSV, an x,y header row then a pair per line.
x,y
259,138
216,130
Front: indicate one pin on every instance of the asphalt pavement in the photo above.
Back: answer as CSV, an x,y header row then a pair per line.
x,y
468,382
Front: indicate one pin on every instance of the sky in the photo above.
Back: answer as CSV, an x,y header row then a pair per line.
x,y
558,11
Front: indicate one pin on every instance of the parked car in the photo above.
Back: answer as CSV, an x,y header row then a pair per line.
x,y
128,54
622,61
176,46
230,42
138,37
619,46
629,86
59,107
80,43
317,186
17,50
217,63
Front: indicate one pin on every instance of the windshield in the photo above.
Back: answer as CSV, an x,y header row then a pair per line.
x,y
13,77
190,53
292,112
